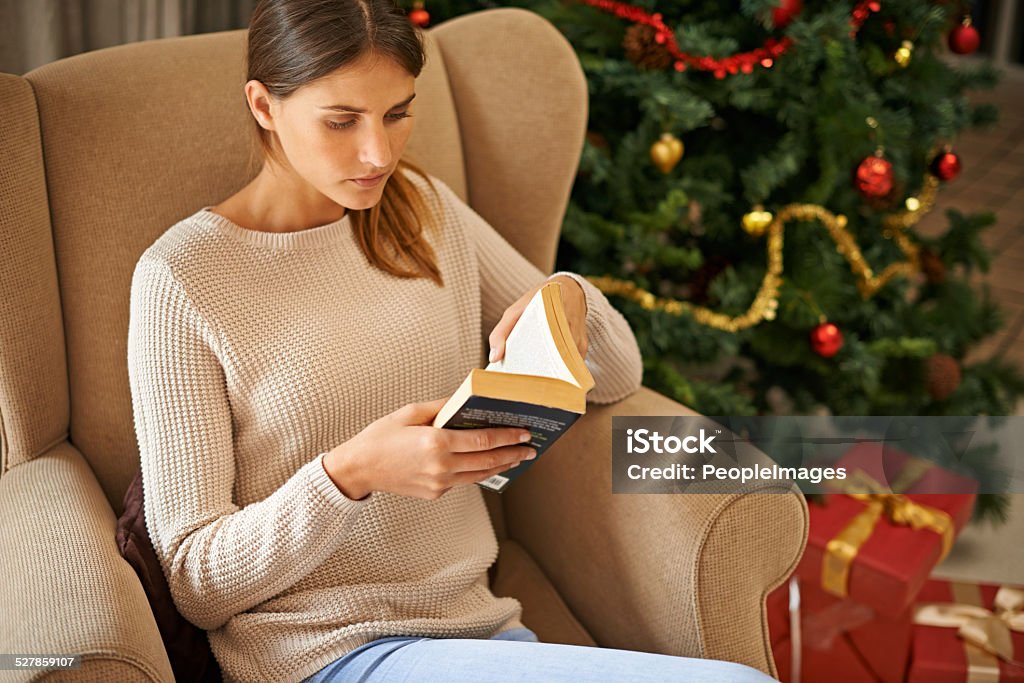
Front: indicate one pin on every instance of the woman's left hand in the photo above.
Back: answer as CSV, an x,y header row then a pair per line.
x,y
575,303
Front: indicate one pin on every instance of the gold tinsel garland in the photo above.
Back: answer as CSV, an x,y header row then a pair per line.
x,y
766,300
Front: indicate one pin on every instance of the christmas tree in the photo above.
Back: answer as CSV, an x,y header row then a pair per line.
x,y
748,194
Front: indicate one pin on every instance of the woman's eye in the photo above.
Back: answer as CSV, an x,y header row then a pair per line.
x,y
397,116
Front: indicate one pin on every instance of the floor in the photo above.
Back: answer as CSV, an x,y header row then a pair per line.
x,y
993,179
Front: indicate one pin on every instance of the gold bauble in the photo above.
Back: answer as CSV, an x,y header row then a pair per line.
x,y
902,55
757,221
666,152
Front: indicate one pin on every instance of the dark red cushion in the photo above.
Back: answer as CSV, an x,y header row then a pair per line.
x,y
186,644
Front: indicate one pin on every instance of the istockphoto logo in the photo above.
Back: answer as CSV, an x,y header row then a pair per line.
x,y
905,455
644,441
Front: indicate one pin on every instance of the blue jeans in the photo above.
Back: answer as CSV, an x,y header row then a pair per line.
x,y
516,655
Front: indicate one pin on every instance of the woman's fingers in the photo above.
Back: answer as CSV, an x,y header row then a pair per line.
x,y
483,439
501,331
508,320
422,413
504,457
474,476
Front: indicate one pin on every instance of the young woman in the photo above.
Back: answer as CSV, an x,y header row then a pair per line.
x,y
288,350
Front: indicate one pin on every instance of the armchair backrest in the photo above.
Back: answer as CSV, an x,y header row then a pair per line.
x,y
106,150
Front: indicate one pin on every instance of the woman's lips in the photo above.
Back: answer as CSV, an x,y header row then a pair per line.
x,y
371,182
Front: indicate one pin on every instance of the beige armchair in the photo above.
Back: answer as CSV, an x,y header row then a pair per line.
x,y
104,151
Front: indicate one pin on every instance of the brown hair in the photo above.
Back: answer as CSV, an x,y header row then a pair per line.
x,y
294,42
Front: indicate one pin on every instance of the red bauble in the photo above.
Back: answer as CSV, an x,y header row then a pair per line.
x,y
786,11
420,17
946,166
964,39
874,177
826,340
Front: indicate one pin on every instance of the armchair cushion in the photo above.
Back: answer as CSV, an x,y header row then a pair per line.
x,y
186,644
64,588
544,612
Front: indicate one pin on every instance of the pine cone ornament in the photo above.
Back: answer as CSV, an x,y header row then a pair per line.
x,y
932,266
890,200
597,140
643,50
942,376
702,277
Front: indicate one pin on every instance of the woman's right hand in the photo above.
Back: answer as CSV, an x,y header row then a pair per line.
x,y
403,453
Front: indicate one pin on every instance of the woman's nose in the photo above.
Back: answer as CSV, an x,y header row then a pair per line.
x,y
375,147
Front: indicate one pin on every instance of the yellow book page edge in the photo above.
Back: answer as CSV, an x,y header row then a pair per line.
x,y
558,322
533,389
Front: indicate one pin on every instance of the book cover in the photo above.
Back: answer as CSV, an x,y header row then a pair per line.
x,y
540,384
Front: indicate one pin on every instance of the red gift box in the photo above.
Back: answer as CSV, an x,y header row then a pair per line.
x,y
893,558
841,641
940,655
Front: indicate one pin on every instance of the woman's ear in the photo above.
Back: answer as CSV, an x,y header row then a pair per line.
x,y
261,104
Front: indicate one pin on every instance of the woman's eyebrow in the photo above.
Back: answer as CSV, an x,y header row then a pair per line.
x,y
345,107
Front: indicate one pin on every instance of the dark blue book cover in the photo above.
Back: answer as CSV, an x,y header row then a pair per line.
x,y
545,423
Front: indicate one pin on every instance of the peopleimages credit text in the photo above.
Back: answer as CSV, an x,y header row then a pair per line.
x,y
646,441
819,454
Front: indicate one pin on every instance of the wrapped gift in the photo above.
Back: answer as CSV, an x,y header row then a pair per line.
x,y
818,638
876,546
967,632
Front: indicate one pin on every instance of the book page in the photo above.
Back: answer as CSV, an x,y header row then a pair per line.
x,y
529,349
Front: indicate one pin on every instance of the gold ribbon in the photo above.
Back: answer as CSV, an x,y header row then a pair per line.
x,y
986,633
897,509
766,301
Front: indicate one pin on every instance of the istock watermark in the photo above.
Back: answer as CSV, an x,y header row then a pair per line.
x,y
698,454
647,440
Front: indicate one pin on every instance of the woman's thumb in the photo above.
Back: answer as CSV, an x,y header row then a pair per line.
x,y
419,413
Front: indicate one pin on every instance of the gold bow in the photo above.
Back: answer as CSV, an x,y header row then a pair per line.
x,y
897,508
986,633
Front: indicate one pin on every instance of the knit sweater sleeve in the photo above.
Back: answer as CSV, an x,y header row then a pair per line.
x,y
613,355
219,560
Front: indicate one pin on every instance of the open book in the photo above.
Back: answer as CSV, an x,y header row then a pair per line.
x,y
540,384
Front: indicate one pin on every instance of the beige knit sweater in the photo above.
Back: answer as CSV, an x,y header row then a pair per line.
x,y
250,354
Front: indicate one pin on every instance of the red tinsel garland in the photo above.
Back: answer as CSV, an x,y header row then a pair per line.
x,y
741,61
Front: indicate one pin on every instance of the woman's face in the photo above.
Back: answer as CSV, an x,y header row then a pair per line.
x,y
349,124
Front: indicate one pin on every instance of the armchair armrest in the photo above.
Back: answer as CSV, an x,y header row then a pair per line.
x,y
678,574
64,588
